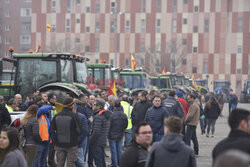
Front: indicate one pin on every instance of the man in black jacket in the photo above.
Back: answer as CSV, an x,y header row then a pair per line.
x,y
65,129
99,134
136,153
239,136
4,114
140,108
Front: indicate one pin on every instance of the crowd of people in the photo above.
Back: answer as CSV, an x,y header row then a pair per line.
x,y
146,129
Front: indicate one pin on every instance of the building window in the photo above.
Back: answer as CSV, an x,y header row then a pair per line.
x,y
159,6
194,70
240,24
53,28
25,12
142,25
7,40
25,27
185,21
195,28
184,41
77,40
78,21
185,1
87,9
68,6
126,62
97,8
239,49
78,2
7,27
67,25
174,25
238,71
205,67
184,61
67,45
7,53
112,7
53,6
97,45
206,27
127,26
112,62
87,29
238,85
25,39
142,46
143,5
97,26
7,1
158,25
174,6
86,48
196,8
112,26
195,49
27,0
7,13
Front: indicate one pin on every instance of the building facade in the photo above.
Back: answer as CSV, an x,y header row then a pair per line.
x,y
15,26
207,38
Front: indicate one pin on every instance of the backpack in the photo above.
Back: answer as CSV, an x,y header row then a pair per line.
x,y
22,136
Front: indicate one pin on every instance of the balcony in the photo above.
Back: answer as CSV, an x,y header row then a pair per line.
x,y
25,19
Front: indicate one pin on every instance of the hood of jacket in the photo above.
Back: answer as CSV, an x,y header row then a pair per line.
x,y
173,142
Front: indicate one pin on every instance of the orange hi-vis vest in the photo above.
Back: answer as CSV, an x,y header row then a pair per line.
x,y
43,128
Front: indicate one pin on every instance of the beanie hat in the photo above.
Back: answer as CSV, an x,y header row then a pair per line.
x,y
179,93
68,101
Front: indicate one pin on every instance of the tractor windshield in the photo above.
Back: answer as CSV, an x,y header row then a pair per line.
x,y
179,80
164,83
66,71
33,73
248,84
81,70
222,84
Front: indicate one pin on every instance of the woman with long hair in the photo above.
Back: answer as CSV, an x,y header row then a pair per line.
x,y
10,154
31,131
212,112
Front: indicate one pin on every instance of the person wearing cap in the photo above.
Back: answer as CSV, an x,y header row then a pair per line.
x,y
4,114
64,130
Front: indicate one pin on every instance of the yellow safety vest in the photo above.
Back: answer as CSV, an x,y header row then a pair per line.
x,y
10,109
127,108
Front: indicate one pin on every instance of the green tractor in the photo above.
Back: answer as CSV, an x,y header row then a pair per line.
x,y
100,76
6,79
49,72
245,94
162,83
202,86
136,80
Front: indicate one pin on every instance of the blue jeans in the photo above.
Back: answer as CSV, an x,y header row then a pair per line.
x,y
116,151
98,154
157,137
128,137
203,126
81,154
41,155
191,134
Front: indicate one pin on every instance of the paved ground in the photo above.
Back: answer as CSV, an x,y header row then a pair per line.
x,y
206,145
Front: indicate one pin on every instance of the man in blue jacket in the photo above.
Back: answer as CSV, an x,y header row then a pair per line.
x,y
155,118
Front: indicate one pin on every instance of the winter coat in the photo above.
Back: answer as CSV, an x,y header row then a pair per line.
x,y
118,125
139,111
193,115
185,106
14,159
46,111
4,116
66,128
213,112
85,128
171,150
174,107
155,118
236,139
100,128
134,156
31,131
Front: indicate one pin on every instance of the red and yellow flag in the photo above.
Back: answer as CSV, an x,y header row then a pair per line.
x,y
133,63
38,47
112,89
48,26
164,71
193,82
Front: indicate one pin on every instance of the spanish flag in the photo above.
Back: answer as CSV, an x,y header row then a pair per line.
x,y
48,26
38,47
133,63
164,71
193,82
112,89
